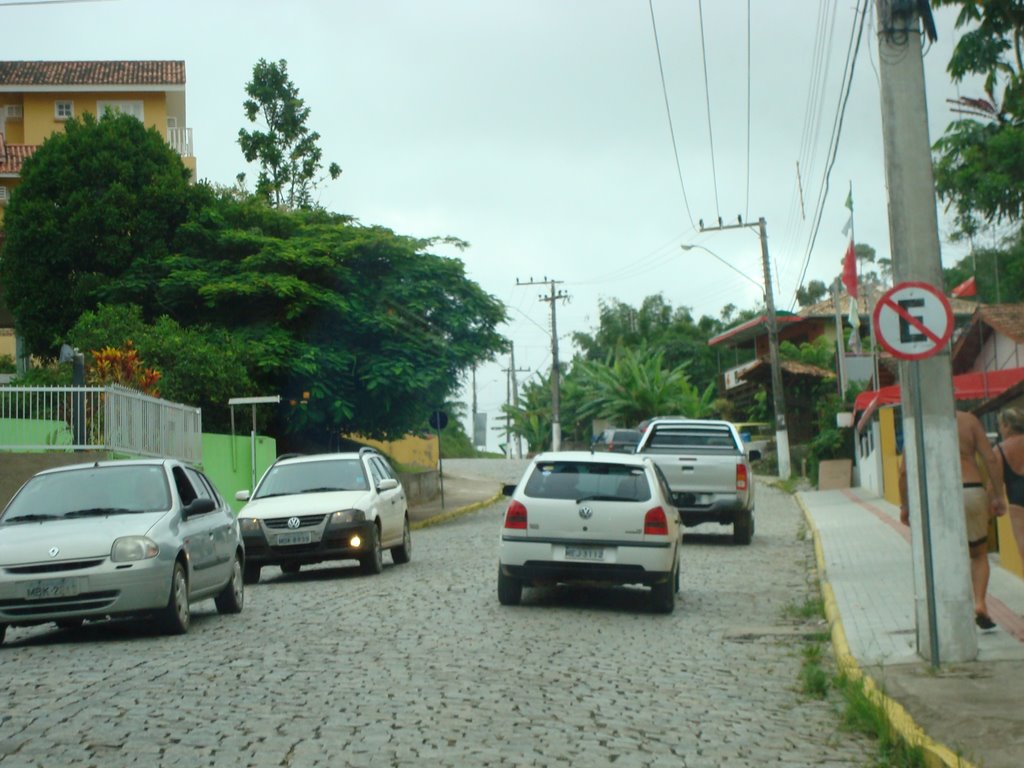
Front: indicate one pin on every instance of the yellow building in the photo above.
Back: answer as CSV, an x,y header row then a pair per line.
x,y
38,97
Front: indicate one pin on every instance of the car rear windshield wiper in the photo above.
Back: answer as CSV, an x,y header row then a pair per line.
x,y
29,518
603,497
99,511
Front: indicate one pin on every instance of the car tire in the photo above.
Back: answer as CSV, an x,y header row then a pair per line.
x,y
743,527
663,595
177,616
232,597
290,568
510,589
372,563
403,553
251,574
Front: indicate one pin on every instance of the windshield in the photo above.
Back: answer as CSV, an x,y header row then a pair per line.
x,y
90,492
313,477
582,480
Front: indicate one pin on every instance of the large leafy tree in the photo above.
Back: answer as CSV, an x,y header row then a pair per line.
x,y
674,331
95,213
370,324
980,164
287,151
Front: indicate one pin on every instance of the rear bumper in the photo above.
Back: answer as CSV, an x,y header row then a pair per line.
x,y
547,562
721,510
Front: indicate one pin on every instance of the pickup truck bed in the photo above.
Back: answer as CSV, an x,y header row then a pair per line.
x,y
707,470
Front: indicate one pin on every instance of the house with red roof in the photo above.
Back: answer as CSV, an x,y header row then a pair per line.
x,y
38,97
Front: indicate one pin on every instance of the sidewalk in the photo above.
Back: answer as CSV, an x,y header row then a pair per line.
x,y
970,713
461,495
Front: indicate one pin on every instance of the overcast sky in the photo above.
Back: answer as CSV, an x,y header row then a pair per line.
x,y
537,130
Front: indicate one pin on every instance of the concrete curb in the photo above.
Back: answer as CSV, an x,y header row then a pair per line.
x,y
935,755
454,513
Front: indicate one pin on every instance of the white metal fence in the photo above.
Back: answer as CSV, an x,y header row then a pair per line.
x,y
112,418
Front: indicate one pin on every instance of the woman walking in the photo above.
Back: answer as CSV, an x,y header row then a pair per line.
x,y
1011,456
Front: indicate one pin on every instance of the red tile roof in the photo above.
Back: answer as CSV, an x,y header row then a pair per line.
x,y
53,73
13,155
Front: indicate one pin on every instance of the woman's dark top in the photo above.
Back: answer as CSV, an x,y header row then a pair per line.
x,y
1014,483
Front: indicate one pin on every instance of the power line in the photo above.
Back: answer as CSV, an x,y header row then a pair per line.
x,y
746,207
707,102
668,112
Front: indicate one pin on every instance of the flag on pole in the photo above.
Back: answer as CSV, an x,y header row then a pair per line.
x,y
849,200
968,287
848,226
854,318
850,271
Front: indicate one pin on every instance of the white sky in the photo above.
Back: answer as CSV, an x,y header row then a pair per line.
x,y
537,131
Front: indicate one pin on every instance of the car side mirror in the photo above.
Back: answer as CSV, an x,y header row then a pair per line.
x,y
241,495
199,507
755,455
387,484
508,490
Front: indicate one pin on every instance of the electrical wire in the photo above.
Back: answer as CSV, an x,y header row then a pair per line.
x,y
836,132
668,112
746,208
707,102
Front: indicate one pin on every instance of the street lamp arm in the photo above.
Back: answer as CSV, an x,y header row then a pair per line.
x,y
688,247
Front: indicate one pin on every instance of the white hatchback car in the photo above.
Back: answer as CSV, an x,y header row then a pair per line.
x,y
590,517
329,506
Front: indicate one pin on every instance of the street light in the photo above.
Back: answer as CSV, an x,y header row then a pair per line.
x,y
689,247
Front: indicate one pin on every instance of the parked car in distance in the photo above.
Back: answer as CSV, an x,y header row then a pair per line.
x,y
118,538
616,440
329,506
577,516
756,436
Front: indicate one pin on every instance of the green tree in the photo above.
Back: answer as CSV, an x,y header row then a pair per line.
x,y
812,293
94,215
287,151
980,165
636,385
371,324
199,365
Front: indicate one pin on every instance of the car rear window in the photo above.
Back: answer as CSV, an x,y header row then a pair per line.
x,y
580,479
689,437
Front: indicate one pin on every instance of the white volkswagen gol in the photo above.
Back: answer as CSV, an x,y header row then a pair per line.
x,y
328,506
590,517
118,538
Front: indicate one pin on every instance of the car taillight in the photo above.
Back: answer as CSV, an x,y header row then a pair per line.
x,y
655,522
515,516
741,477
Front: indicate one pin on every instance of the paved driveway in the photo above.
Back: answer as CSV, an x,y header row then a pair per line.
x,y
421,666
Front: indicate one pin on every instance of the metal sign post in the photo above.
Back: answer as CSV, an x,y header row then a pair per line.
x,y
914,321
253,401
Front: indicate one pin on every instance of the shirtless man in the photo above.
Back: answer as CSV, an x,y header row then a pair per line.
x,y
980,503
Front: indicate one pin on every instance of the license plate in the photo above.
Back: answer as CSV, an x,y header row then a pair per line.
x,y
584,553
290,539
48,589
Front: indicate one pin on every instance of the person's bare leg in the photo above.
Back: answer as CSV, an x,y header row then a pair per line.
x,y
979,576
1017,523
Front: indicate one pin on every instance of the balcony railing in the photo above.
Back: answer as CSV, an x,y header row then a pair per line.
x,y
180,140
112,418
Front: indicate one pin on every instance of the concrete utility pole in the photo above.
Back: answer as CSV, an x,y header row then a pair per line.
x,y
778,395
913,233
555,295
512,371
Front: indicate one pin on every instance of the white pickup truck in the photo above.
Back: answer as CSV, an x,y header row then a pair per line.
x,y
708,471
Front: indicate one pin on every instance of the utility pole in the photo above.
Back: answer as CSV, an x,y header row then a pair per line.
x,y
778,395
511,372
554,296
944,614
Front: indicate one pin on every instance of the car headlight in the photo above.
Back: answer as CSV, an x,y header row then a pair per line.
x,y
249,524
348,516
130,549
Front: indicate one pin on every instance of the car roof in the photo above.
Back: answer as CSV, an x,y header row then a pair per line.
x,y
153,462
592,458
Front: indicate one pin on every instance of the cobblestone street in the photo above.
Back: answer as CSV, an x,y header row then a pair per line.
x,y
422,666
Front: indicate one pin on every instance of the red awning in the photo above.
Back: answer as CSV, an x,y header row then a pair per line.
x,y
966,386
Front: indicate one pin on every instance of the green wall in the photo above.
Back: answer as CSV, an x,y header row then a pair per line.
x,y
229,464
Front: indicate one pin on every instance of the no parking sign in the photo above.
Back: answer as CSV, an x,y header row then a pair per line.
x,y
913,320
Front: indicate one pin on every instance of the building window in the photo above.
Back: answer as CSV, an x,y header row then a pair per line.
x,y
133,108
64,110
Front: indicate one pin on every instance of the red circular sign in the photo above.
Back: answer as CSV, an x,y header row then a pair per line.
x,y
913,320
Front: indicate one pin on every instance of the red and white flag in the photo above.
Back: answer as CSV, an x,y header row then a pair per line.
x,y
849,277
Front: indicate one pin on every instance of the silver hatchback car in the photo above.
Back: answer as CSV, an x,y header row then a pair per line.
x,y
118,538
